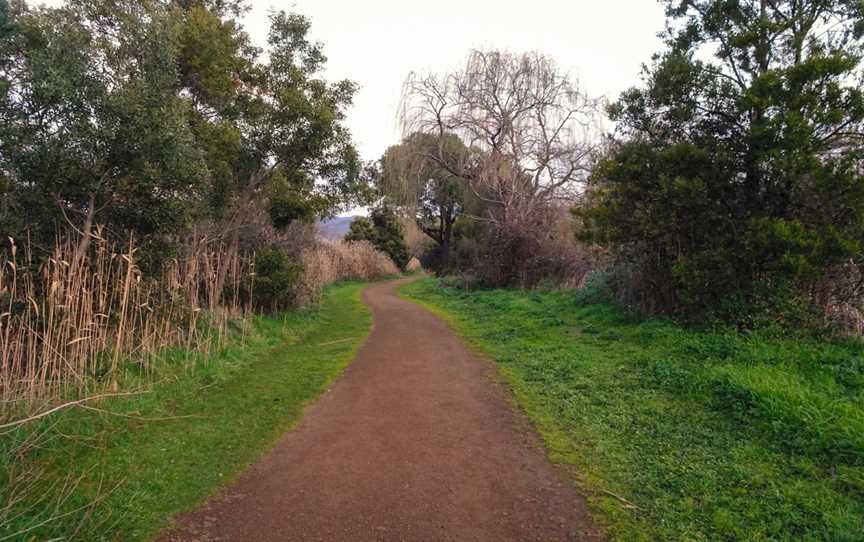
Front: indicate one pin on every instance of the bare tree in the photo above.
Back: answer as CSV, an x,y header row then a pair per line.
x,y
528,125
529,131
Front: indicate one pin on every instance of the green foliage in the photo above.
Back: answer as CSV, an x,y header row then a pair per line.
x,y
210,55
295,200
275,277
389,236
430,192
117,143
361,230
149,116
739,176
215,420
385,232
298,117
286,209
713,435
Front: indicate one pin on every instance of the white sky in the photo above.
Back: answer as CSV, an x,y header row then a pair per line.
x,y
376,43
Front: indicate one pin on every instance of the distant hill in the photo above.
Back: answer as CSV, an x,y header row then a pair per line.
x,y
335,228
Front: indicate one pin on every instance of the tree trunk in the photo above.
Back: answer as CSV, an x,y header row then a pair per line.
x,y
445,253
86,234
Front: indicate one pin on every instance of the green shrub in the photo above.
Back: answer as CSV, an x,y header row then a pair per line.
x,y
276,277
596,289
385,232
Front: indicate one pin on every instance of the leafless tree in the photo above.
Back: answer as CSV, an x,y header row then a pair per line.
x,y
529,127
530,134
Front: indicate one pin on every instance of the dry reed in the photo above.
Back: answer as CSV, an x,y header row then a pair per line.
x,y
72,330
329,261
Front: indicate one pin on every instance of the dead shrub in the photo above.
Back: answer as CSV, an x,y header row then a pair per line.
x,y
539,249
413,265
841,295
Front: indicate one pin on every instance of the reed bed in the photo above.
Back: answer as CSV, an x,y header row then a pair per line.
x,y
328,261
74,324
71,325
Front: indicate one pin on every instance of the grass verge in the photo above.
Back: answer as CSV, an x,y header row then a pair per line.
x,y
90,475
678,434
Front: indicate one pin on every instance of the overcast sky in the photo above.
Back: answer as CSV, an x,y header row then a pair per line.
x,y
376,43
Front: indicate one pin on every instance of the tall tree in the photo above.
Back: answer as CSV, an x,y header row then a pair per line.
x,y
93,129
526,123
433,195
260,121
741,173
528,129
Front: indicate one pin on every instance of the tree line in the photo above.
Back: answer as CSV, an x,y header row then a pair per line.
x,y
730,188
153,117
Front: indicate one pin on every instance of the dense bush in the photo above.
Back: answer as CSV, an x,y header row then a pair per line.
x,y
496,255
736,186
385,232
275,279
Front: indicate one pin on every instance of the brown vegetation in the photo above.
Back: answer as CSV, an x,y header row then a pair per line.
x,y
841,295
527,133
70,329
328,261
73,330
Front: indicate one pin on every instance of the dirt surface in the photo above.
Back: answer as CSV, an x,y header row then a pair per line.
x,y
416,441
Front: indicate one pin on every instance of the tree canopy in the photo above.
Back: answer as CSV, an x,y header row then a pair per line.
x,y
148,116
413,178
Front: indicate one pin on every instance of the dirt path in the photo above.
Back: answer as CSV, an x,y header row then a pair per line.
x,y
414,442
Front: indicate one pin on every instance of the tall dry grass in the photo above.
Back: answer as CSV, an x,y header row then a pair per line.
x,y
327,261
71,330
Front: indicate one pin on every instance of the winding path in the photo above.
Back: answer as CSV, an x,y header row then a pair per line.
x,y
416,441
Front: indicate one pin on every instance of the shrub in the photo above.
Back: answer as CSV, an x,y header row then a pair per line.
x,y
275,280
385,232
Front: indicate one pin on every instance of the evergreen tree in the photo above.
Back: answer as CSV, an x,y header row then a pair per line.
x,y
739,178
385,232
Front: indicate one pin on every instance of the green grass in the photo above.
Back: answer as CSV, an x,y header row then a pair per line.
x,y
239,402
710,435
